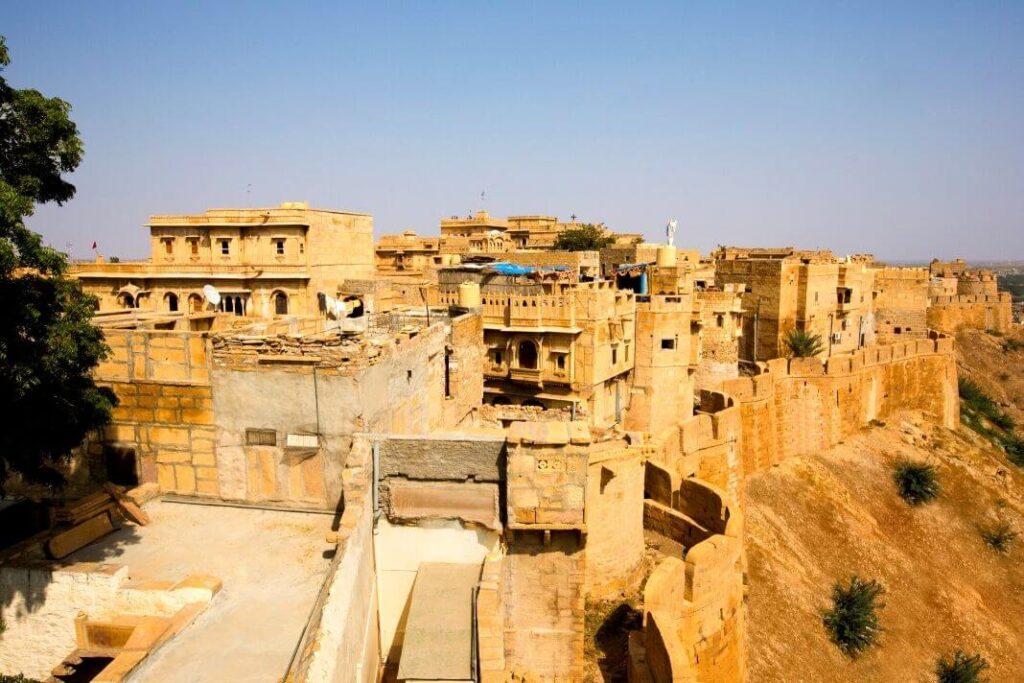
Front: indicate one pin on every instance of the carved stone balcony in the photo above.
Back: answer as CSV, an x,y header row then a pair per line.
x,y
527,376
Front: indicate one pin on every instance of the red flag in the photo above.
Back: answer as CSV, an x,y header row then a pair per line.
x,y
93,245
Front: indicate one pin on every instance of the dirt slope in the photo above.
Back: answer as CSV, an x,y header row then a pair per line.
x,y
812,521
989,361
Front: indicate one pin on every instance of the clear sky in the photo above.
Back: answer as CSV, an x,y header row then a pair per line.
x,y
890,127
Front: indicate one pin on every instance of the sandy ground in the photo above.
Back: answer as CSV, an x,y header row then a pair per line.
x,y
815,520
271,564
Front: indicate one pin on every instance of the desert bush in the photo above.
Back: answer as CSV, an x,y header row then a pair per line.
x,y
999,536
1012,345
917,482
852,622
801,344
18,678
961,668
1014,447
993,332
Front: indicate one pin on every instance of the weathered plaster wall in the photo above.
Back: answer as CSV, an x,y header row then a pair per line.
x,y
39,605
341,643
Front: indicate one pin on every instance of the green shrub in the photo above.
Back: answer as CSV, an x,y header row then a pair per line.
x,y
852,622
975,397
962,668
999,536
801,344
917,482
1014,447
19,678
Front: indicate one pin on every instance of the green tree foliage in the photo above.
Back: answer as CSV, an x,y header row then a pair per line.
x,y
587,237
917,482
801,344
852,621
48,346
961,668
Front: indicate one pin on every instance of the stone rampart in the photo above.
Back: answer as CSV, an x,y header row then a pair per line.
x,y
801,405
693,607
981,312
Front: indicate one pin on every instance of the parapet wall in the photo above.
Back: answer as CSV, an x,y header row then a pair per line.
x,y
340,641
694,615
799,406
981,312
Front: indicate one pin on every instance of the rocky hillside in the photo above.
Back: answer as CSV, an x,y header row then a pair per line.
x,y
817,520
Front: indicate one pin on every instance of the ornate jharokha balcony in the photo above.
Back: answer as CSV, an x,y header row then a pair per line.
x,y
527,375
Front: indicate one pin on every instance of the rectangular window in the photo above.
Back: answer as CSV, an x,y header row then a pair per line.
x,y
260,437
279,246
225,247
195,247
615,355
497,358
668,344
560,361
169,246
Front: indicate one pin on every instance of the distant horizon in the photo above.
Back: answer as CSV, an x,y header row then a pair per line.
x,y
889,129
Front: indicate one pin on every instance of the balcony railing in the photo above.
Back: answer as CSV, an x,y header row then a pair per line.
x,y
526,375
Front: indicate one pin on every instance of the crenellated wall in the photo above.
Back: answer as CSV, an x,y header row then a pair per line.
x,y
801,405
694,619
978,311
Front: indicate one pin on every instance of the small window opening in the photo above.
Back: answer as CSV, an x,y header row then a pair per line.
x,y
560,361
260,437
615,355
194,245
225,247
497,358
169,246
279,246
668,344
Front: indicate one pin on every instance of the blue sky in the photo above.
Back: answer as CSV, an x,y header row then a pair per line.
x,y
895,128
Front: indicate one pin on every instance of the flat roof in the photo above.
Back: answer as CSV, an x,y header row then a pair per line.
x,y
271,566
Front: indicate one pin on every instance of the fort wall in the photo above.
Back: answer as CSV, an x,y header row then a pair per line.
x,y
801,405
981,312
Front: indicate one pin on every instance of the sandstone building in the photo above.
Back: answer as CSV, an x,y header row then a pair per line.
x,y
264,262
483,458
813,291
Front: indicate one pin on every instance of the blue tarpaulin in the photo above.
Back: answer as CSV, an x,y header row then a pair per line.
x,y
515,269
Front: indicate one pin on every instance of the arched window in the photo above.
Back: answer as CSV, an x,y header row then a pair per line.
x,y
239,308
195,303
280,303
527,355
125,300
171,299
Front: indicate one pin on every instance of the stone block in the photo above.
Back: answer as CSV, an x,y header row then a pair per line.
x,y
185,478
165,477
